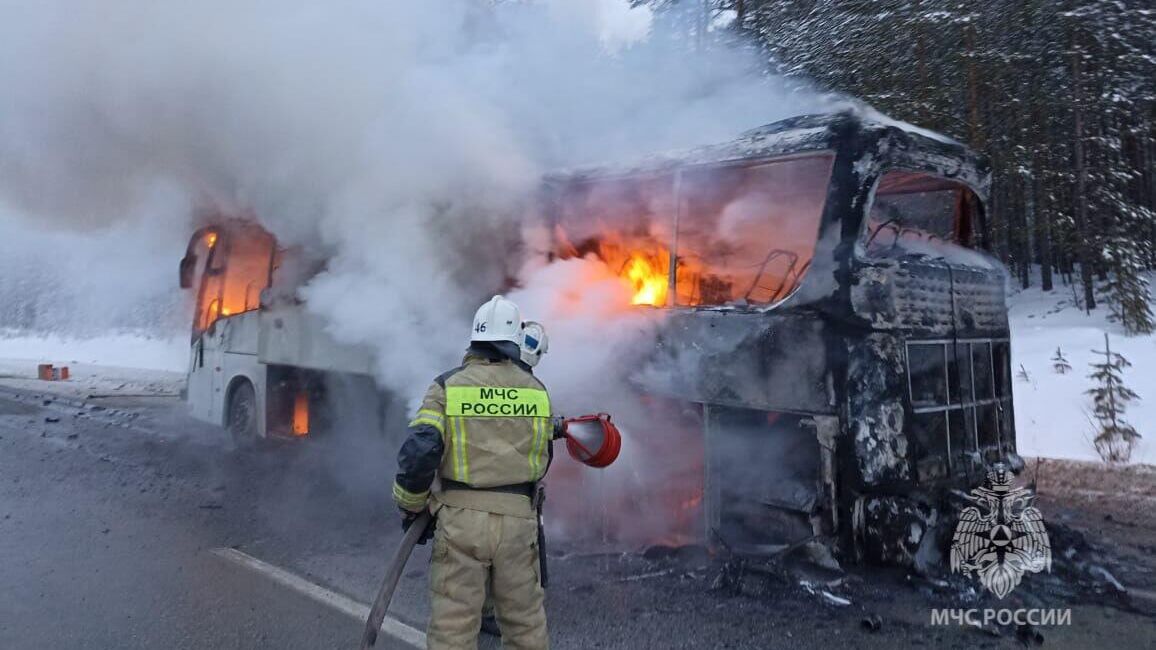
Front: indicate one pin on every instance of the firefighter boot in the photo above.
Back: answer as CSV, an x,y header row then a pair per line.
x,y
469,547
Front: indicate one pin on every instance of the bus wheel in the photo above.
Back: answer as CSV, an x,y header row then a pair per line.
x,y
242,421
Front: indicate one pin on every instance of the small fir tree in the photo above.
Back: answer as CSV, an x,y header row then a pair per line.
x,y
1110,398
1060,363
1023,375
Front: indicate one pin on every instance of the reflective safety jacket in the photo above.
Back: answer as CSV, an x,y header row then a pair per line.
x,y
486,424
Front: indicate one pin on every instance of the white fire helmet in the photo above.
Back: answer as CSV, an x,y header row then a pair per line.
x,y
534,343
497,320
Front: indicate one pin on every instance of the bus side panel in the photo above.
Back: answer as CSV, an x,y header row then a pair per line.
x,y
199,382
239,360
769,362
291,336
224,353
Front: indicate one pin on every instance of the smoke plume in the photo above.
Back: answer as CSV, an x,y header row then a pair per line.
x,y
401,141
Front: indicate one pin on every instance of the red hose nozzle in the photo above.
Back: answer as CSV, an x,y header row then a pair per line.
x,y
592,439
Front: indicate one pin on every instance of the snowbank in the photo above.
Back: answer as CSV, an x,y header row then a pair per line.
x,y
124,350
1053,414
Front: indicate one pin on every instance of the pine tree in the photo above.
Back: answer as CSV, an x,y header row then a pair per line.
x,y
1110,398
1127,288
1059,94
1060,363
1023,375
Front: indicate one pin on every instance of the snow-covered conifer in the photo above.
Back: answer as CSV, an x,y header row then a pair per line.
x,y
1115,438
1060,363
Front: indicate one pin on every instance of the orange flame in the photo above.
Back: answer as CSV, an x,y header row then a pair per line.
x,y
301,414
647,277
641,262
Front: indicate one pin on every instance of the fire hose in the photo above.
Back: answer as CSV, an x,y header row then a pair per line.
x,y
392,576
590,439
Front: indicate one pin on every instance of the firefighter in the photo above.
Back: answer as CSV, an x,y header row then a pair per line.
x,y
485,429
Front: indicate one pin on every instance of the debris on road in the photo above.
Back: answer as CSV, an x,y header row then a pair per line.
x,y
645,576
825,595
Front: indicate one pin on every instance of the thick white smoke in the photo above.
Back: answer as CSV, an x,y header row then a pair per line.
x,y
403,141
397,137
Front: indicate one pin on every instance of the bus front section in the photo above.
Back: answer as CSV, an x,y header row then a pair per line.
x,y
833,333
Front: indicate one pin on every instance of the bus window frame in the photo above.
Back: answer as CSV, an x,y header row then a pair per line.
x,y
971,402
970,211
211,270
560,188
217,266
747,164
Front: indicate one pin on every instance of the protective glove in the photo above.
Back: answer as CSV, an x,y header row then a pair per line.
x,y
560,424
407,519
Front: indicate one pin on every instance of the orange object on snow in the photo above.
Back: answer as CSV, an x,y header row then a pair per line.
x,y
46,372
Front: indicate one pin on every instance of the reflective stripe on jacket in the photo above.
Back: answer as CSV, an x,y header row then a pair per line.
x,y
485,424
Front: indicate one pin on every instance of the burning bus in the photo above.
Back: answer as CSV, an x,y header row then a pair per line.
x,y
831,326
258,362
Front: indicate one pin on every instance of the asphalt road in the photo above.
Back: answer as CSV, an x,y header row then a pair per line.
x,y
104,545
129,525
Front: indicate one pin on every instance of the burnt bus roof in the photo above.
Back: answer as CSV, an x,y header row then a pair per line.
x,y
895,144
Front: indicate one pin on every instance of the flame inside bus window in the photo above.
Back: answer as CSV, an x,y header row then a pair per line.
x,y
238,269
626,223
746,234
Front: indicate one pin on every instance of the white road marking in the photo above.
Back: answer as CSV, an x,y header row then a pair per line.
x,y
344,604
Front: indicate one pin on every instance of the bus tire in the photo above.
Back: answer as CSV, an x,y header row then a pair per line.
x,y
242,414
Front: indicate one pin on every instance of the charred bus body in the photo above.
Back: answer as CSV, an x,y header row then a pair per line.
x,y
833,332
831,315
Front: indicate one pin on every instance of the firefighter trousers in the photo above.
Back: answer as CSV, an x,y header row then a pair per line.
x,y
471,547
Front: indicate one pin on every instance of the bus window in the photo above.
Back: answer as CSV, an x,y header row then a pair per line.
x,y
249,263
958,392
918,213
238,267
626,223
929,379
746,235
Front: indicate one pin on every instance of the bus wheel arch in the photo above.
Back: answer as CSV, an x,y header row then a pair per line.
x,y
241,411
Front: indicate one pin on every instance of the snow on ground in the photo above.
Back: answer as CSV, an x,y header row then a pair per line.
x,y
1053,413
124,350
89,381
115,364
